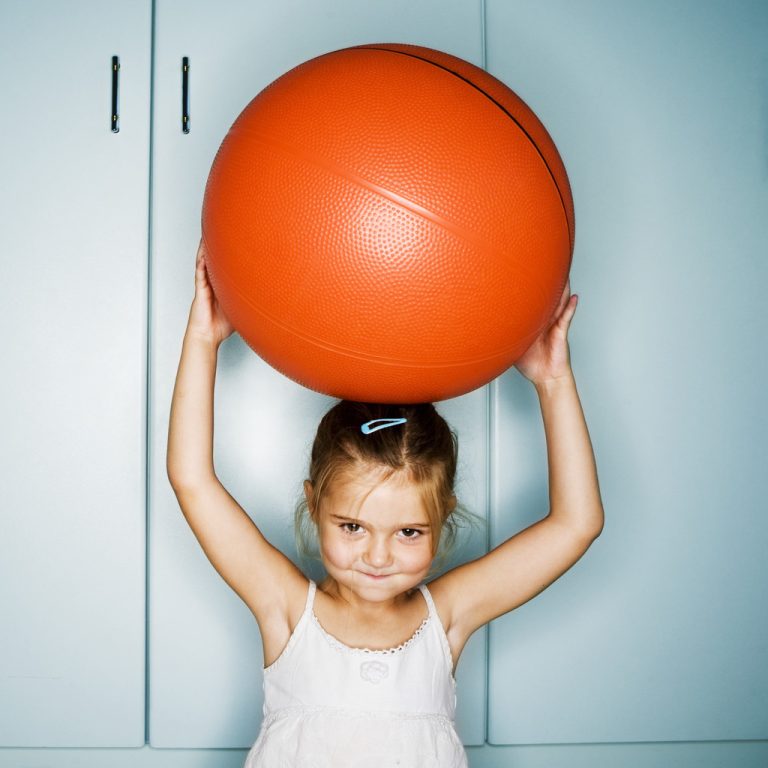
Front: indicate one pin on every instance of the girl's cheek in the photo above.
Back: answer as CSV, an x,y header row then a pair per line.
x,y
418,557
336,552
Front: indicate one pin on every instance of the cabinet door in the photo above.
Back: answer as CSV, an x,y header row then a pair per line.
x,y
659,633
73,244
205,650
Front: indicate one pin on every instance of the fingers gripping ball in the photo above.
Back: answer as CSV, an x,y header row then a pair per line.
x,y
388,223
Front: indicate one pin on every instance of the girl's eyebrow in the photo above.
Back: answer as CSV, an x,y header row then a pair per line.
x,y
361,522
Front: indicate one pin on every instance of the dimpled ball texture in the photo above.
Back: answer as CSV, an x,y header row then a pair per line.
x,y
388,223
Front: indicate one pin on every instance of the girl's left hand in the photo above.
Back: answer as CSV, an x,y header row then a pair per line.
x,y
548,357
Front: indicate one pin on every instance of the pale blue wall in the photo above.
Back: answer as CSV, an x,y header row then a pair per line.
x,y
660,110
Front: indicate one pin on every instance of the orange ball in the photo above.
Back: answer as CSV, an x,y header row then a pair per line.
x,y
388,223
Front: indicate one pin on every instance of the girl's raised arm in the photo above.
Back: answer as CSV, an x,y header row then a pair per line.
x,y
528,562
258,572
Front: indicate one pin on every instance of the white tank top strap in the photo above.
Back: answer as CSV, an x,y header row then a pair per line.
x,y
439,628
311,589
430,602
298,630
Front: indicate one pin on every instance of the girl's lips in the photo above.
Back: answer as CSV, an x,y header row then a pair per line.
x,y
375,576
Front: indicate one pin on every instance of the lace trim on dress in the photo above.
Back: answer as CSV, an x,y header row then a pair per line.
x,y
336,643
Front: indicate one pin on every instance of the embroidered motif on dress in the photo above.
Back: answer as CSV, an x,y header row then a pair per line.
x,y
373,671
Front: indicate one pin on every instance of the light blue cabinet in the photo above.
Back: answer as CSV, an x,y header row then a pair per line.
x,y
205,656
73,244
660,633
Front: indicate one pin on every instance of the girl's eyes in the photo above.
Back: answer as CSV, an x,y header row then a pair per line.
x,y
350,527
408,533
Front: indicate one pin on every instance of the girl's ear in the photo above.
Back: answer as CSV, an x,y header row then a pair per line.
x,y
309,495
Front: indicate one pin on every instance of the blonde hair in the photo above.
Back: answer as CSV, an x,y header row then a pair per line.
x,y
423,449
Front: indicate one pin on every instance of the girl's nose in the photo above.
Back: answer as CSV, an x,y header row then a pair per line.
x,y
377,555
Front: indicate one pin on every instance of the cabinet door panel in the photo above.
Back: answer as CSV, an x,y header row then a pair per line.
x,y
205,686
73,244
660,632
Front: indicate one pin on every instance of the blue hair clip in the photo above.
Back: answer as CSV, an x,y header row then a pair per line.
x,y
376,424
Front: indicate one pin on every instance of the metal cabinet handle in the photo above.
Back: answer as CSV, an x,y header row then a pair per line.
x,y
185,94
114,122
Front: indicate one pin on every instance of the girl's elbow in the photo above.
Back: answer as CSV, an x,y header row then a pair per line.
x,y
598,525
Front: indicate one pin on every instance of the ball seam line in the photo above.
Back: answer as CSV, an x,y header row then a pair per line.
x,y
397,199
501,107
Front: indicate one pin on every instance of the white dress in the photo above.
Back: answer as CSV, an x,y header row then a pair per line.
x,y
327,705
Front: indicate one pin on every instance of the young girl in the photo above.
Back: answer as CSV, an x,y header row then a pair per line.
x,y
359,669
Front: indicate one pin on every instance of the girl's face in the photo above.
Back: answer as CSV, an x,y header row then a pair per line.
x,y
375,537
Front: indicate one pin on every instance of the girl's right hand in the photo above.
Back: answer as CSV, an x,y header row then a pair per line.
x,y
206,317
